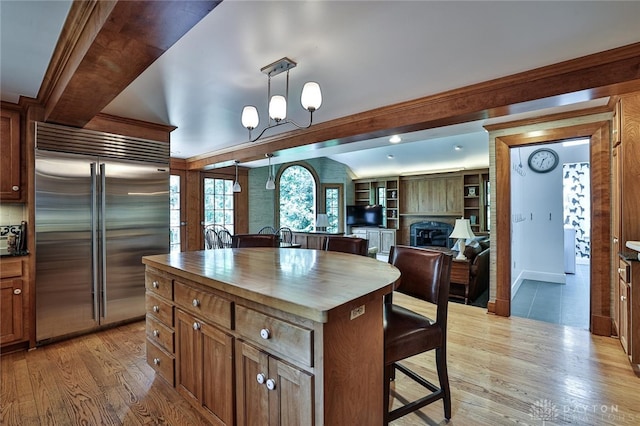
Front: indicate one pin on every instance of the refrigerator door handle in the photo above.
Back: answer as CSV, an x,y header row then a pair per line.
x,y
94,242
103,230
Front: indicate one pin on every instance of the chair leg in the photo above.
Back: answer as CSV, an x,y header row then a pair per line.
x,y
443,376
389,375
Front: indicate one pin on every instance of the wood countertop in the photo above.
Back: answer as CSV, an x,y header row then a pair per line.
x,y
308,283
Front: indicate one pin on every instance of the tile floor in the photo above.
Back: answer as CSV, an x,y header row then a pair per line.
x,y
566,304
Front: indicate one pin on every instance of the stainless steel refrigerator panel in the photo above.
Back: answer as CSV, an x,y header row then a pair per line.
x,y
135,223
64,269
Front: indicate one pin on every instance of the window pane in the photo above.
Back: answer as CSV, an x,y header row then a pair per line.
x,y
297,199
218,202
332,207
174,213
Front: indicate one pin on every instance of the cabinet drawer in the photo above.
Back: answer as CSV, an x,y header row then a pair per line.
x,y
623,270
460,272
274,334
159,285
208,306
162,362
159,309
160,334
11,268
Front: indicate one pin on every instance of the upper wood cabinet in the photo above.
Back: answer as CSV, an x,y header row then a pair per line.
x,y
10,162
435,195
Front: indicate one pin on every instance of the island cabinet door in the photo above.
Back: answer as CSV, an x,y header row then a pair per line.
x,y
270,391
204,367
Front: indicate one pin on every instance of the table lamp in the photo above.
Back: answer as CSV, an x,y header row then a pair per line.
x,y
322,221
462,231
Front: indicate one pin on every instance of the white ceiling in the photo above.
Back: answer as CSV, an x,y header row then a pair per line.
x,y
364,54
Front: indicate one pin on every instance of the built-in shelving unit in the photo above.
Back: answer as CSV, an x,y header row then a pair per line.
x,y
383,191
475,200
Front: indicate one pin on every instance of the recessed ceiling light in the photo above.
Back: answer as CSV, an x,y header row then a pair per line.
x,y
458,148
390,156
395,139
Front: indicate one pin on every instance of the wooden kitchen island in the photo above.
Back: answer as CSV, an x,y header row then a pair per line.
x,y
262,336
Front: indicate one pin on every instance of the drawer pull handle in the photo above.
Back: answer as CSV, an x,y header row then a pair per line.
x,y
156,309
260,378
15,188
155,284
265,334
195,303
156,333
271,384
17,291
156,361
196,326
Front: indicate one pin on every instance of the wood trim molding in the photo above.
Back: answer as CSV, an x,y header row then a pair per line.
x,y
598,132
101,32
603,74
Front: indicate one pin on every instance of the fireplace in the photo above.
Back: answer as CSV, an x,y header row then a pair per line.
x,y
431,233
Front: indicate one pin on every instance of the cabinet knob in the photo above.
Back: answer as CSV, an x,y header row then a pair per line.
x,y
265,334
15,188
195,303
615,240
156,361
620,270
196,326
17,291
155,284
271,384
623,298
156,309
260,378
156,333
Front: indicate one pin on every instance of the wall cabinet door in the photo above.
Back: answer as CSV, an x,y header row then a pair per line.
x,y
270,391
10,185
204,366
11,327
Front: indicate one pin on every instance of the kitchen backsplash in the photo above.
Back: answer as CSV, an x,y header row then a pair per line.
x,y
10,217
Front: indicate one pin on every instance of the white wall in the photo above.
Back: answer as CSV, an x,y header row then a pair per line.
x,y
537,240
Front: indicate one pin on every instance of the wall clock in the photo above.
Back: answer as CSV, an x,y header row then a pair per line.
x,y
543,160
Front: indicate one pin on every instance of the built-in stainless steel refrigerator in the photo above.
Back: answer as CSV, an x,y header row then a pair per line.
x,y
101,203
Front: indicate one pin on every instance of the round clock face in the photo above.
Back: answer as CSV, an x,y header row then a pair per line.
x,y
543,160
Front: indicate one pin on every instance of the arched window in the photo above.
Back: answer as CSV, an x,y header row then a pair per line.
x,y
297,198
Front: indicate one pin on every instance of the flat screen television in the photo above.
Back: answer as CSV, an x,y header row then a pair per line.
x,y
365,215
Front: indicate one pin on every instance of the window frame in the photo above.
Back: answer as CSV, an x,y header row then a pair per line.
x,y
317,186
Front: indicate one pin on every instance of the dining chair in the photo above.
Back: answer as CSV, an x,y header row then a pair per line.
x,y
347,245
285,235
224,238
211,240
424,274
267,230
254,240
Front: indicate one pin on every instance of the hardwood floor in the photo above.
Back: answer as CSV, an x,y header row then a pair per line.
x,y
502,371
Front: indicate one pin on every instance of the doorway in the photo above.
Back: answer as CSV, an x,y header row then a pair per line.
x,y
598,131
551,230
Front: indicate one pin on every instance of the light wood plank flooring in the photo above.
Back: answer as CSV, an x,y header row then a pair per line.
x,y
502,371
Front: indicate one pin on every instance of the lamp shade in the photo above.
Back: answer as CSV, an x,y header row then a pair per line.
x,y
322,220
250,117
311,97
278,108
462,229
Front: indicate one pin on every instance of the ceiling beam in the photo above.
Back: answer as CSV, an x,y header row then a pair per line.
x,y
104,46
607,73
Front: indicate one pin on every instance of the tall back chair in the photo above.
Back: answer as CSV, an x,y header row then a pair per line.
x,y
267,230
347,245
285,235
254,240
224,238
211,240
424,274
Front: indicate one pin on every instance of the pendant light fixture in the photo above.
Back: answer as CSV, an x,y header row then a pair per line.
x,y
271,181
311,100
236,184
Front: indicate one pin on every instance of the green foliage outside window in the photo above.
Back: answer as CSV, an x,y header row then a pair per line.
x,y
297,199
